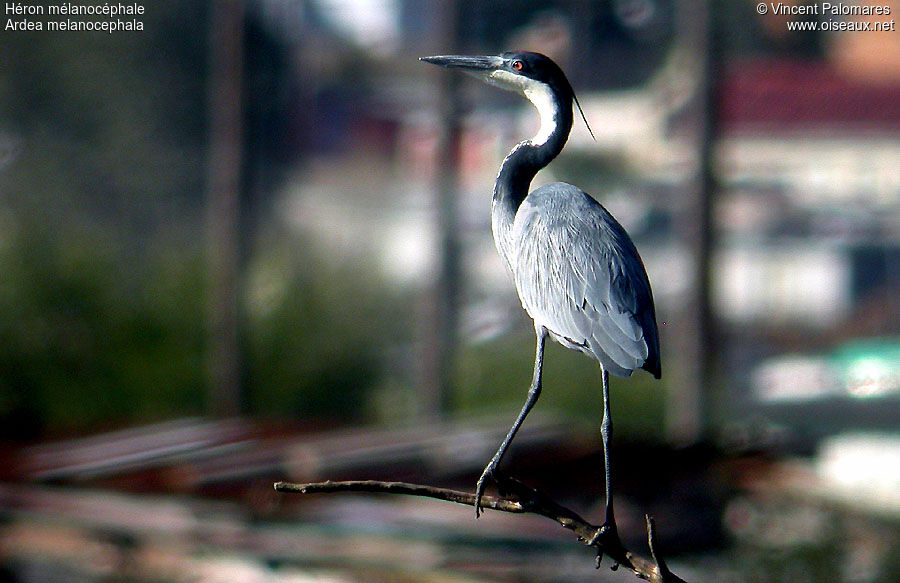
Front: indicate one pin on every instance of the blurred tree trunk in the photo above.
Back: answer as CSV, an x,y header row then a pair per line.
x,y
226,135
441,315
692,349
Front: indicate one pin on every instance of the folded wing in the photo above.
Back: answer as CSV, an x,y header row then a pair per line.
x,y
579,275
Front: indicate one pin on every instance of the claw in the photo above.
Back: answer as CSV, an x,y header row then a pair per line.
x,y
602,532
479,489
606,538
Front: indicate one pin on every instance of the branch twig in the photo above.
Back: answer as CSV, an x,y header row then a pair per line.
x,y
518,499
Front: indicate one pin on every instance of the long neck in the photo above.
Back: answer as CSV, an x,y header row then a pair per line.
x,y
526,159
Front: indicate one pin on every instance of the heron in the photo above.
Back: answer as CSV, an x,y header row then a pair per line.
x,y
577,272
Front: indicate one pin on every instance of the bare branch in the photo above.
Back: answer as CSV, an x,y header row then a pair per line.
x,y
665,576
516,498
457,496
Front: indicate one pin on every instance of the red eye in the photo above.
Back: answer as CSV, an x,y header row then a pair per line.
x,y
518,65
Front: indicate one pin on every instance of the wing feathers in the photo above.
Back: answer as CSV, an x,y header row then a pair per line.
x,y
579,275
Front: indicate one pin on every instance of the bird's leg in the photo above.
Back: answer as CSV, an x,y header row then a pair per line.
x,y
533,393
607,535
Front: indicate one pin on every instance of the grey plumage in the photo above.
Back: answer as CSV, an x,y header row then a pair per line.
x,y
579,275
577,272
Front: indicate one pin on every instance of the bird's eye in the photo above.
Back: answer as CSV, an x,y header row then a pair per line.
x,y
518,65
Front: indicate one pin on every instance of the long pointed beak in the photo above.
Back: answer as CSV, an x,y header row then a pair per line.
x,y
476,65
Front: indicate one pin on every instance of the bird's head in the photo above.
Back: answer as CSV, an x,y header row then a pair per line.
x,y
533,75
522,72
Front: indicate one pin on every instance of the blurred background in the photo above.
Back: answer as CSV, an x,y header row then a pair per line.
x,y
251,242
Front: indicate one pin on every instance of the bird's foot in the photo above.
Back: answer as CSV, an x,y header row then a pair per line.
x,y
488,473
606,539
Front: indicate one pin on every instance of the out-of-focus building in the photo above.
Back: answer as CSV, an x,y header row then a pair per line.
x,y
810,160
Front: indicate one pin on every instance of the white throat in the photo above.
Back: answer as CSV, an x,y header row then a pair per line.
x,y
538,94
542,98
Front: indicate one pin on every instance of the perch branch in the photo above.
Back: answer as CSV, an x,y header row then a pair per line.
x,y
516,498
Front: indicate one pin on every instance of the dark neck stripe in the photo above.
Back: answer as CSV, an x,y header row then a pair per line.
x,y
526,159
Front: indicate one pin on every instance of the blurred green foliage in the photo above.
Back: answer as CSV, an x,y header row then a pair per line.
x,y
318,330
86,343
102,248
98,198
